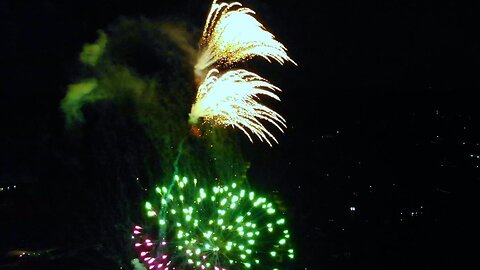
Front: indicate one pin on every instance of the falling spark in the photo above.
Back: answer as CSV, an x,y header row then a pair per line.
x,y
231,34
231,99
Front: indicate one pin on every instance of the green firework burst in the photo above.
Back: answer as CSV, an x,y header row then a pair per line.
x,y
220,227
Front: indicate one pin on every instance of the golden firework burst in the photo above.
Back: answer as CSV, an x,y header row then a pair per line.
x,y
231,34
232,99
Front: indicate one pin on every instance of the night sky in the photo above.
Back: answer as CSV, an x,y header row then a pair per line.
x,y
378,167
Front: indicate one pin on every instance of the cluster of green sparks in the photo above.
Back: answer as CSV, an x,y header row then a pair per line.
x,y
219,227
231,35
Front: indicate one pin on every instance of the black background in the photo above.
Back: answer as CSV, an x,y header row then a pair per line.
x,y
382,116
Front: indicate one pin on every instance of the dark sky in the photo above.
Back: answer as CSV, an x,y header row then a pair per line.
x,y
380,161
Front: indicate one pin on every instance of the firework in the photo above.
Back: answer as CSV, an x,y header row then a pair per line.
x,y
231,34
231,99
215,227
149,251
